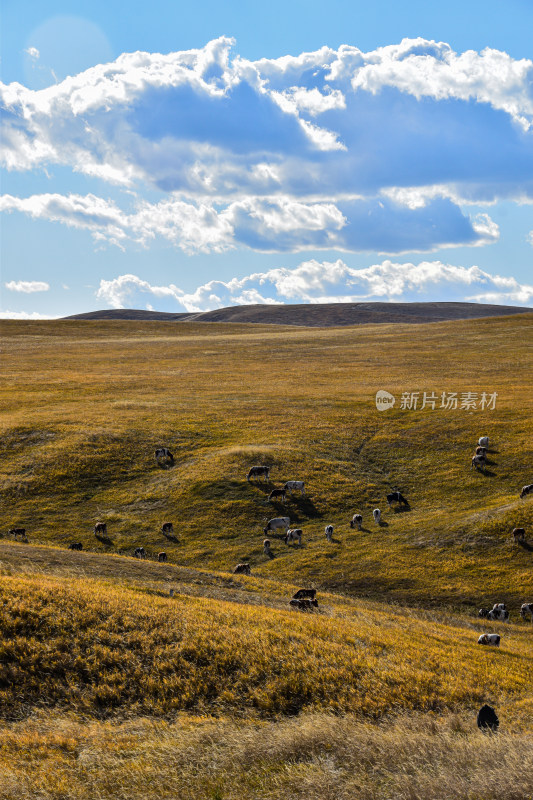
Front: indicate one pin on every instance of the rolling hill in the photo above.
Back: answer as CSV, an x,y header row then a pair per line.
x,y
319,314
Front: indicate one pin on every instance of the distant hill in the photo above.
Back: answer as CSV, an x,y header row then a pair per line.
x,y
318,315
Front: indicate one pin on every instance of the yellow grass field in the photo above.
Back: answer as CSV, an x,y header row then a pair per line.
x,y
107,683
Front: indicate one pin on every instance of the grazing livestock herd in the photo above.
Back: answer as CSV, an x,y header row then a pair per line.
x,y
305,599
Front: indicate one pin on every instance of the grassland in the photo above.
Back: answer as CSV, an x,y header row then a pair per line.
x,y
85,404
107,682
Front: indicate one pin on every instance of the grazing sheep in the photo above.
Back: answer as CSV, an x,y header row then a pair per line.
x,y
526,490
304,593
357,522
519,534
275,493
100,529
75,546
377,516
242,569
266,547
526,609
491,639
277,523
487,719
483,441
294,534
303,604
139,552
295,486
258,472
329,532
161,557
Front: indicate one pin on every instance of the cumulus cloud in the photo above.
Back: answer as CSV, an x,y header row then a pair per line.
x,y
327,282
358,151
28,287
32,52
269,224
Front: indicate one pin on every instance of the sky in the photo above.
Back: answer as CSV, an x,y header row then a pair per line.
x,y
183,157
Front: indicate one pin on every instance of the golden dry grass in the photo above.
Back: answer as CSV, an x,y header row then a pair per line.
x,y
86,403
110,685
312,757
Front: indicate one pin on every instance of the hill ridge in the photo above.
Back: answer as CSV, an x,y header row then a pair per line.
x,y
317,314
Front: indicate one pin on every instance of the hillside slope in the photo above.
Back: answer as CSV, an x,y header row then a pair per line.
x,y
79,434
318,314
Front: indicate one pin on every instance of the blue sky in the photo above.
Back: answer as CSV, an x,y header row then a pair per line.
x,y
182,157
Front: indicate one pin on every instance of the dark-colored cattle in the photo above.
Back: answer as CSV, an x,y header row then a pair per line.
x,y
303,604
163,454
304,593
519,534
139,552
162,557
526,490
17,533
167,527
526,610
481,451
100,529
275,493
487,719
266,547
357,522
397,497
75,546
258,472
329,532
484,613
242,569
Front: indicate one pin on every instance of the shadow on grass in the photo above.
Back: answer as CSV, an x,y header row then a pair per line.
x,y
265,487
305,506
104,539
401,509
526,546
170,536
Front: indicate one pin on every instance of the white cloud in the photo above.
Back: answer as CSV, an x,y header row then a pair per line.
x,y
32,52
199,121
269,224
334,149
23,315
328,282
28,287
